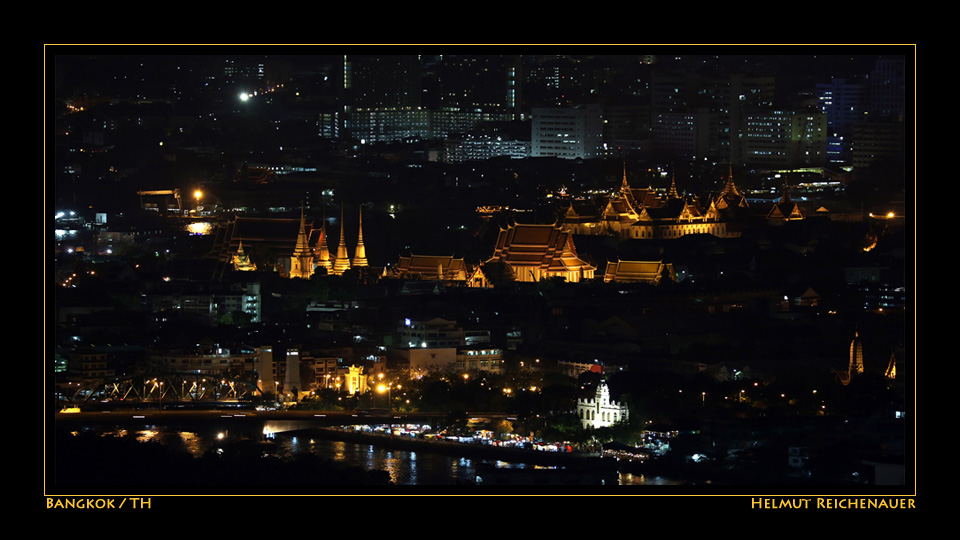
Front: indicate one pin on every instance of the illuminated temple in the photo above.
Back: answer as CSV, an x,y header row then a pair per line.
x,y
632,213
301,262
652,272
445,268
785,209
294,248
535,252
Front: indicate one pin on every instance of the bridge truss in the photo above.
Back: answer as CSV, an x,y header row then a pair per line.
x,y
167,387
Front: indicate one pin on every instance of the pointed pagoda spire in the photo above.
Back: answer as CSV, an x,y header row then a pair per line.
x,y
342,263
323,254
856,355
301,263
241,261
891,372
731,197
786,193
672,194
360,255
730,188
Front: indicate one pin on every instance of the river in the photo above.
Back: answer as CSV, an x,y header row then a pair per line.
x,y
405,467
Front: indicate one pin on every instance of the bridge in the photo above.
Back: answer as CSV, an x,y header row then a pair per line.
x,y
191,386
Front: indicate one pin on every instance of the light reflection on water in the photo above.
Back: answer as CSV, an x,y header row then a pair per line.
x,y
629,479
406,468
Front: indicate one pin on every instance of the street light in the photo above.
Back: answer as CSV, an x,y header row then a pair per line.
x,y
386,388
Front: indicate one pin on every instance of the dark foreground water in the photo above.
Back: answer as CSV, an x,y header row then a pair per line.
x,y
405,467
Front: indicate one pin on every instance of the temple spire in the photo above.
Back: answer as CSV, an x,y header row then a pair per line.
x,y
301,264
673,187
786,193
241,261
342,263
856,355
360,255
731,197
324,251
730,188
891,372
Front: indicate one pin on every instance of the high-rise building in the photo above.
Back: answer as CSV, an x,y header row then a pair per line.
x,y
780,138
706,110
887,89
844,102
458,150
382,82
877,142
568,133
384,98
488,84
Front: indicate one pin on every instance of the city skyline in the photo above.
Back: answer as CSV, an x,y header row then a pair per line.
x,y
716,214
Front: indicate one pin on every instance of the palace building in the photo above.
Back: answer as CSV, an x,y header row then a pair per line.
x,y
632,213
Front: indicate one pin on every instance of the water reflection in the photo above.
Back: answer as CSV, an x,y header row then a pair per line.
x,y
628,479
405,467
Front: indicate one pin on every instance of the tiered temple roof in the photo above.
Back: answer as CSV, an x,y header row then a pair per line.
x,y
536,252
785,209
638,272
730,197
444,268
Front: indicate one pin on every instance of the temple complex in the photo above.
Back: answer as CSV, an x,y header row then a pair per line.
x,y
643,214
293,247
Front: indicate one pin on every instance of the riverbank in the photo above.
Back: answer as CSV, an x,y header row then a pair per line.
x,y
452,448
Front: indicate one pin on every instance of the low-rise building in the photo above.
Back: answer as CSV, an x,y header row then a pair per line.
x,y
601,410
